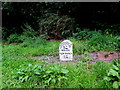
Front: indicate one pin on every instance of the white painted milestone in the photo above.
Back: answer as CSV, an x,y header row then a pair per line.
x,y
65,51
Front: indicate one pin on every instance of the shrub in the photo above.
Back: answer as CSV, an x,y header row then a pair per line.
x,y
14,38
102,42
85,34
33,42
28,31
111,28
54,26
28,34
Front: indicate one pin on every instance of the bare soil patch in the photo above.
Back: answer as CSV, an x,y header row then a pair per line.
x,y
94,57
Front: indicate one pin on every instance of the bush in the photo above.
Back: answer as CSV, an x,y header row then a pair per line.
x,y
85,34
33,42
28,34
54,26
102,42
110,28
28,31
14,38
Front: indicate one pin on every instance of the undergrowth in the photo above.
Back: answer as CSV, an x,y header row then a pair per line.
x,y
21,70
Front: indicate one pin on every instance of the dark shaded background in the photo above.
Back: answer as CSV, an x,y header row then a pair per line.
x,y
87,15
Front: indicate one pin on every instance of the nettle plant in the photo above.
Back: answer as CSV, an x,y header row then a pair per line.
x,y
113,75
49,75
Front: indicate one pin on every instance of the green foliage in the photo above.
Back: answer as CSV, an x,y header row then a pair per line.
x,y
113,75
26,74
58,18
33,42
54,26
102,42
100,69
79,47
96,43
26,13
34,73
85,34
57,24
110,28
55,75
14,38
4,33
39,46
28,31
83,75
28,34
50,75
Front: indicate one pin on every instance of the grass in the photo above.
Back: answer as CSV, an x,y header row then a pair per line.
x,y
80,75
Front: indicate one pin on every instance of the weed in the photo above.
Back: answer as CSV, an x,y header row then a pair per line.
x,y
81,78
103,43
14,38
29,31
85,34
33,42
33,73
49,76
113,75
106,55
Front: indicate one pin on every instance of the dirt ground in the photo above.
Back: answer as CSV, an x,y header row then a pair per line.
x,y
92,57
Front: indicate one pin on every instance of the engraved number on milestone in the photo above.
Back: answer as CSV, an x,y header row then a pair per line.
x,y
66,56
65,47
